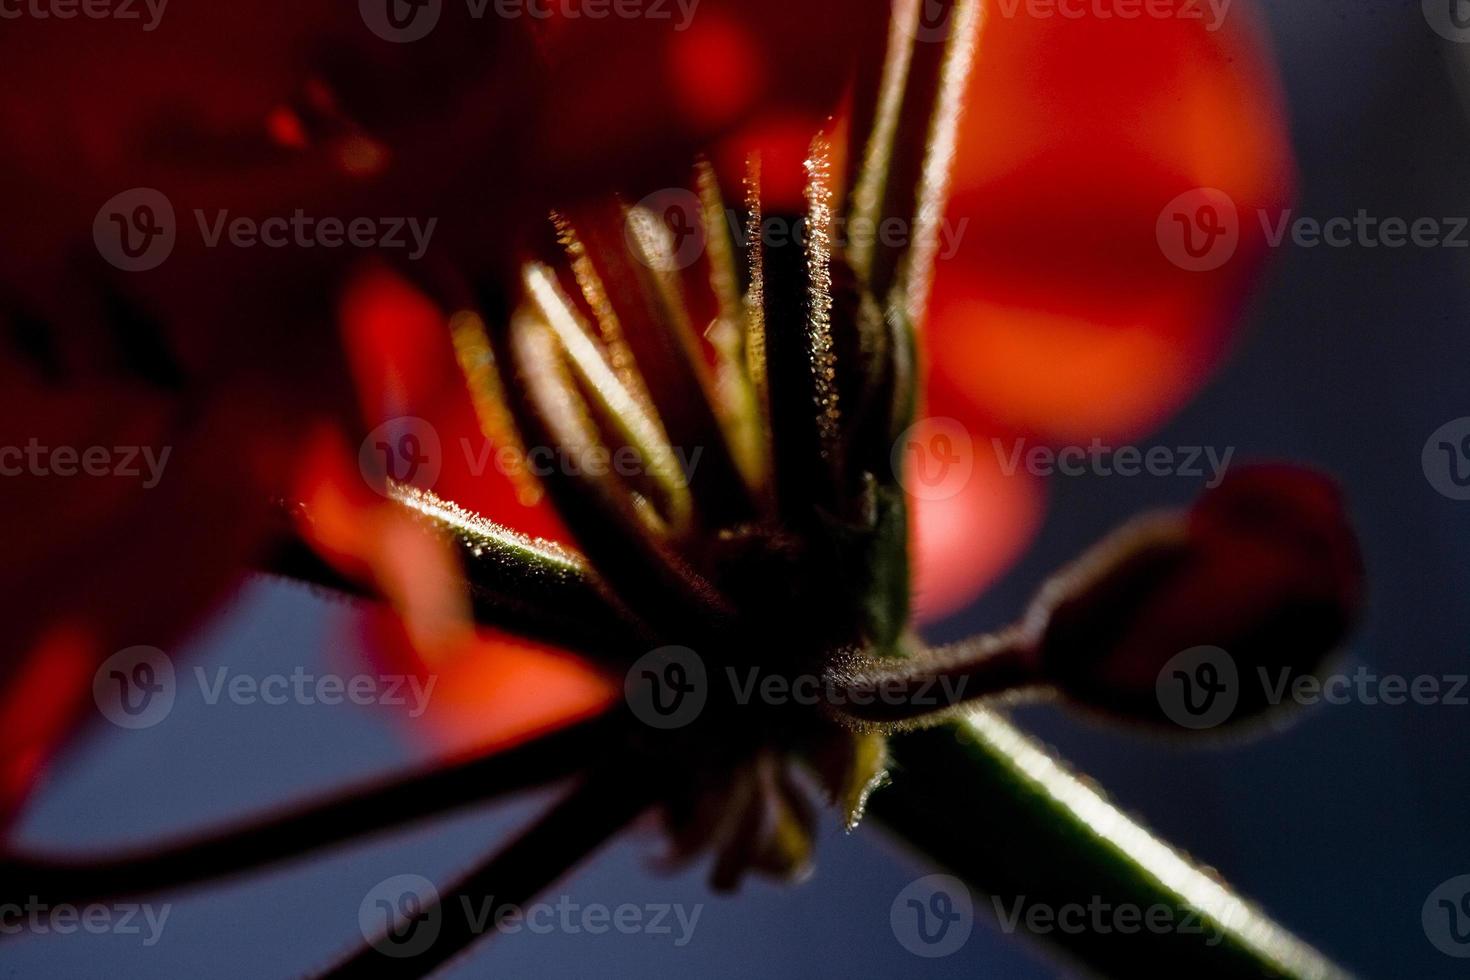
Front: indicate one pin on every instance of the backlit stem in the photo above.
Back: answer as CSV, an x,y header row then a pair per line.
x,y
993,806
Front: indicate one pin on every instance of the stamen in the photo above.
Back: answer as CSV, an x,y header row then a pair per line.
x,y
641,430
819,295
966,22
736,400
619,354
477,363
755,298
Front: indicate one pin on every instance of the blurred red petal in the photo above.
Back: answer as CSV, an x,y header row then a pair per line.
x,y
1058,311
965,534
134,553
718,69
37,708
399,346
491,691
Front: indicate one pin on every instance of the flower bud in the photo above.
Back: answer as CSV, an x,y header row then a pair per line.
x,y
1205,614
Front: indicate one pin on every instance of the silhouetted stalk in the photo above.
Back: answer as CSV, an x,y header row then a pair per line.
x,y
470,909
390,804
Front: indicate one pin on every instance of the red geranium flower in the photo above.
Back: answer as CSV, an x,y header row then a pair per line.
x,y
641,465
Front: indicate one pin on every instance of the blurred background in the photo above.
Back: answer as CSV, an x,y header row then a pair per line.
x,y
1340,825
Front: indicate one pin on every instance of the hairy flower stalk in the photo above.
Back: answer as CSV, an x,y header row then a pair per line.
x,y
788,369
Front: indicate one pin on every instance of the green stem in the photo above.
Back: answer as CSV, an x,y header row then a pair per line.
x,y
997,809
533,588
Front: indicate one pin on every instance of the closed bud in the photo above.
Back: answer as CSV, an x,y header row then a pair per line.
x,y
1198,618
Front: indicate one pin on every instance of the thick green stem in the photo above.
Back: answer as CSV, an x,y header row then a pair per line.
x,y
990,804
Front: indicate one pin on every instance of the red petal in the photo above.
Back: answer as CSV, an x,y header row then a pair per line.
x,y
37,708
399,345
490,691
1060,313
966,530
